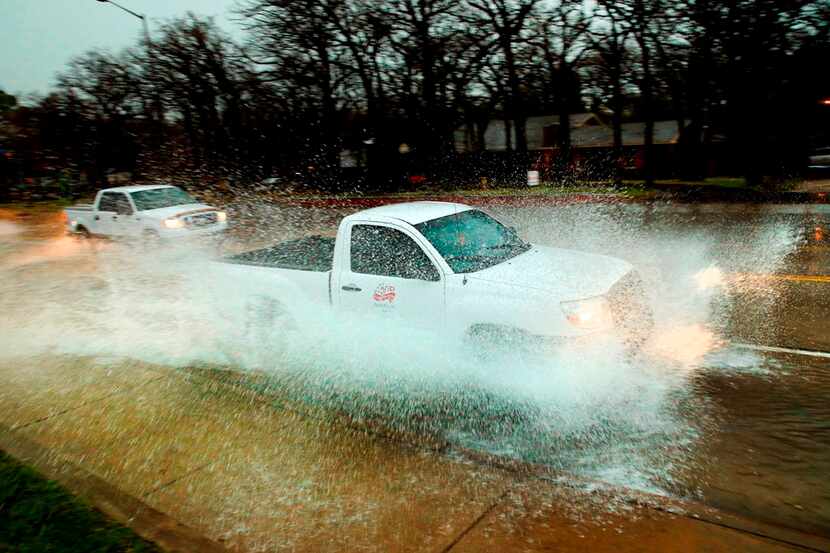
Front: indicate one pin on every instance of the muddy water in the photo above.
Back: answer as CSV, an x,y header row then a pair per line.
x,y
759,422
694,417
765,438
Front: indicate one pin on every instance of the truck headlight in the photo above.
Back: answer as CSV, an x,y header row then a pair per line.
x,y
221,216
590,313
173,223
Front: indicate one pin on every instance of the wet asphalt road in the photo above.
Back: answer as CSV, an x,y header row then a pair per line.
x,y
761,419
750,428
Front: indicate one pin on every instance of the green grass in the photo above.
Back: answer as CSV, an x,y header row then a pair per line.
x,y
631,188
38,515
544,189
722,182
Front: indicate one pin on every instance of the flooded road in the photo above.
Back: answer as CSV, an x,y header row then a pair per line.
x,y
702,415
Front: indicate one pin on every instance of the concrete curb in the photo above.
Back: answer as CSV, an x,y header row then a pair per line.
x,y
151,524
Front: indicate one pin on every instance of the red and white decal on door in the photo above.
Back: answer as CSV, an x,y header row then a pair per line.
x,y
384,293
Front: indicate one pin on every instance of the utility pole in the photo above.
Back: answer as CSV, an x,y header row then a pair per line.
x,y
157,117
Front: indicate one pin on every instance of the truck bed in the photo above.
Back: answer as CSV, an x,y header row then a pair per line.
x,y
313,253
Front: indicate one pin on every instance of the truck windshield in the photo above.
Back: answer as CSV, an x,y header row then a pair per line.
x,y
156,198
472,240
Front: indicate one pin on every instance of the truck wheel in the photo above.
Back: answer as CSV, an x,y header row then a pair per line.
x,y
150,239
82,233
150,236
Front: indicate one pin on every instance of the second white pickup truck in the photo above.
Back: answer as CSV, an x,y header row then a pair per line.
x,y
147,211
449,267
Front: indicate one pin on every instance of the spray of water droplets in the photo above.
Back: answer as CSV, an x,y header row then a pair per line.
x,y
595,411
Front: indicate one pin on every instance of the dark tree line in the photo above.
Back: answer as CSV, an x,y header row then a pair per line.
x,y
391,81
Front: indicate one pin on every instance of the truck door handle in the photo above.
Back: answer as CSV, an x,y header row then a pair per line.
x,y
97,218
114,218
350,288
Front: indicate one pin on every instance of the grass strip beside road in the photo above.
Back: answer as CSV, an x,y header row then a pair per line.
x,y
37,514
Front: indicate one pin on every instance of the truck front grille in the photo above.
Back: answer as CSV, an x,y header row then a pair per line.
x,y
202,219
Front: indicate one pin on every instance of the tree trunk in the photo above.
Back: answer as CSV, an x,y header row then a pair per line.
x,y
514,99
329,127
648,113
564,138
616,122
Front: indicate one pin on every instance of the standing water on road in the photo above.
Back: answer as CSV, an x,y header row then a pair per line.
x,y
692,416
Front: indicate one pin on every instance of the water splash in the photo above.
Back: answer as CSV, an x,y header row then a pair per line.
x,y
593,411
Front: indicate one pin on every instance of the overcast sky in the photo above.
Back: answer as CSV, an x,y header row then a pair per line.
x,y
39,37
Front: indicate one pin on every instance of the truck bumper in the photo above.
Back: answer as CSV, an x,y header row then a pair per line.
x,y
193,232
631,315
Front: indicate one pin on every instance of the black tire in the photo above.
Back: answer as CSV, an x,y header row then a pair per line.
x,y
82,233
150,239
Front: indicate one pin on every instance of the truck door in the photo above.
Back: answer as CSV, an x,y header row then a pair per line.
x,y
391,276
106,213
116,215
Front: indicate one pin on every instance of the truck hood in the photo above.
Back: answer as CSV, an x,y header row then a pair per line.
x,y
566,274
176,210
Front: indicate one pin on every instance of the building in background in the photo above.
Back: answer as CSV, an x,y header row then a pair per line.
x,y
592,144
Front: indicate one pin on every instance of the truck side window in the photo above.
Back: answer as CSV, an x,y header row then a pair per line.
x,y
122,205
108,202
385,251
115,202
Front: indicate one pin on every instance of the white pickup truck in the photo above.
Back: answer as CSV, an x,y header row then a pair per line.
x,y
448,267
149,211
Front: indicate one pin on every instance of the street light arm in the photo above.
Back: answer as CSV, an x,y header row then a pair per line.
x,y
138,15
129,11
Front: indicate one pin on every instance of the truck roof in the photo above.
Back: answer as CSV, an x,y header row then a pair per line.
x,y
136,187
414,212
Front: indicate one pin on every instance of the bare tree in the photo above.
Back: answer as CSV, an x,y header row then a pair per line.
x,y
103,80
294,44
506,20
433,54
562,42
642,18
610,43
201,75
